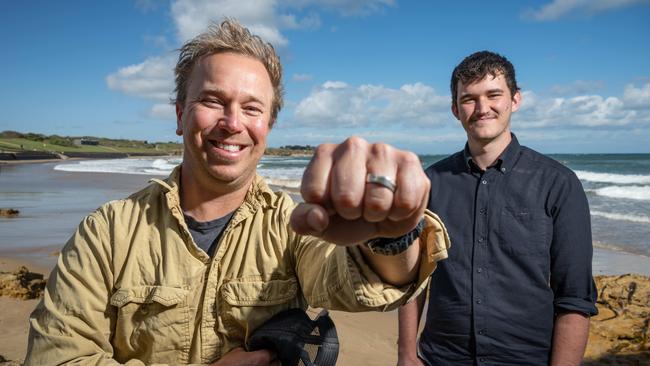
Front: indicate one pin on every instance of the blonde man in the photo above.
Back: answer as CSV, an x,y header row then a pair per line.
x,y
186,269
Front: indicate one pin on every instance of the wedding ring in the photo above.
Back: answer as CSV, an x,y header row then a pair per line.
x,y
381,180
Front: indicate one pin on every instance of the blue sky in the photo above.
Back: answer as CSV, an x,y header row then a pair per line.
x,y
375,68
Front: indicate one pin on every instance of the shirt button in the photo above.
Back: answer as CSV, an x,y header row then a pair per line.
x,y
479,270
482,359
479,301
503,170
484,181
483,210
481,239
482,332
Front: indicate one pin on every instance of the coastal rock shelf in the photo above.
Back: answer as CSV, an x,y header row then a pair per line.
x,y
619,334
21,284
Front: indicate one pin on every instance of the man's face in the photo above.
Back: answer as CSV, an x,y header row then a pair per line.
x,y
225,119
484,108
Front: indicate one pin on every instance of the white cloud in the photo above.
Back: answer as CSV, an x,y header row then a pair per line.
x,y
191,17
637,97
163,111
289,21
559,8
336,104
301,77
585,110
344,7
151,79
154,79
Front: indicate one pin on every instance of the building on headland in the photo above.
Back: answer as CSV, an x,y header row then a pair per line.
x,y
79,142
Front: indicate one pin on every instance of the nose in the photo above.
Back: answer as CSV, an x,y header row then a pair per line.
x,y
482,106
230,121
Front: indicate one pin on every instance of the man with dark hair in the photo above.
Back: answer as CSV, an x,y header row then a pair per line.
x,y
185,270
517,287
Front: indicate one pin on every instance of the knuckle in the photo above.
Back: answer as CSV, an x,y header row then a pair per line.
x,y
311,192
346,200
381,149
376,203
405,204
410,157
355,143
322,149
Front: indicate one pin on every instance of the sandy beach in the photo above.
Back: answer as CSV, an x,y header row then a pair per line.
x,y
53,202
366,338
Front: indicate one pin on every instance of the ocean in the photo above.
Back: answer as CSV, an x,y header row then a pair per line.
x,y
53,197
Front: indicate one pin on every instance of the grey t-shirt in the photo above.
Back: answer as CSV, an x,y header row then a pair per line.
x,y
206,234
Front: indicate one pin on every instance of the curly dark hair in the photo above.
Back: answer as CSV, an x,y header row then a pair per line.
x,y
478,65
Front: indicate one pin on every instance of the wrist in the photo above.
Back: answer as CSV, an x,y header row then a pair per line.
x,y
395,246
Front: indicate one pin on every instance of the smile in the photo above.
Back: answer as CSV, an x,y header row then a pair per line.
x,y
227,147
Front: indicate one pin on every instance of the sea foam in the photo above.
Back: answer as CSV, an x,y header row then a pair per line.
x,y
622,217
123,166
612,178
629,192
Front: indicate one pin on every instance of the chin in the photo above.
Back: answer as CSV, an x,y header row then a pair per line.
x,y
230,176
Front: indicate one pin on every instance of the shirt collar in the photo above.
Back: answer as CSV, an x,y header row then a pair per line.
x,y
259,193
504,162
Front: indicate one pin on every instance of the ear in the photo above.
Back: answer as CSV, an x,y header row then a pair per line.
x,y
179,119
454,109
516,101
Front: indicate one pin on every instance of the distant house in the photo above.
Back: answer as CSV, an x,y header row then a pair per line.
x,y
79,142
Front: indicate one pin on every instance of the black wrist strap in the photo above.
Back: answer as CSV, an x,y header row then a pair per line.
x,y
394,246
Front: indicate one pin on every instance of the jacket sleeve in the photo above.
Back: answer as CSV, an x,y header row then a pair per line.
x,y
73,322
338,278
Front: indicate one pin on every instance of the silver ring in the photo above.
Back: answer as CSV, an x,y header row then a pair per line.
x,y
381,180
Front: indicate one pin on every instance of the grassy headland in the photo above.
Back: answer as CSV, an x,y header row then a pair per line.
x,y
30,146
11,141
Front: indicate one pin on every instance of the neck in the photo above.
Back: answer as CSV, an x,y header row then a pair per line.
x,y
486,153
207,202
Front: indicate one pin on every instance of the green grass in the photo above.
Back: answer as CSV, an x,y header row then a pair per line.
x,y
23,144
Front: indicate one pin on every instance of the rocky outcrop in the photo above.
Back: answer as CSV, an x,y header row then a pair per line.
x,y
619,334
8,212
21,284
5,362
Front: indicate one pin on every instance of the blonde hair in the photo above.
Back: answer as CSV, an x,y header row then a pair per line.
x,y
229,36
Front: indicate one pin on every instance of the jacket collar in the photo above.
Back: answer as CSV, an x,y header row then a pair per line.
x,y
259,194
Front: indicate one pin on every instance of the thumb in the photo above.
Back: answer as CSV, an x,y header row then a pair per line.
x,y
309,219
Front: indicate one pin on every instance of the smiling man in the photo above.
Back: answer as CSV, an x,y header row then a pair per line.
x,y
183,271
517,287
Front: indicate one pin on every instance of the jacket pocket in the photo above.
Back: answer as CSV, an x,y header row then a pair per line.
x,y
247,304
259,293
153,323
524,231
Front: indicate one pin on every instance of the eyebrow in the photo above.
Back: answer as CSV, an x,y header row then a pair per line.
x,y
222,93
489,91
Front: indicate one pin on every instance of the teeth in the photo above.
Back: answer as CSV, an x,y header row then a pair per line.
x,y
233,148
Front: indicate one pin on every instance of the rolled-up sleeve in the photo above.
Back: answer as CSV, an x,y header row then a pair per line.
x,y
339,278
572,250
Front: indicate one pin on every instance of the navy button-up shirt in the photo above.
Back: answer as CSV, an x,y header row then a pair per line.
x,y
520,253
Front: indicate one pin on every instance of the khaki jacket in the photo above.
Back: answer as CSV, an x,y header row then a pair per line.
x,y
131,286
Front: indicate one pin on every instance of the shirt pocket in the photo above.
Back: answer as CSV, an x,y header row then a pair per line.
x,y
153,322
247,303
524,231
